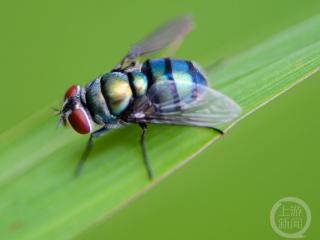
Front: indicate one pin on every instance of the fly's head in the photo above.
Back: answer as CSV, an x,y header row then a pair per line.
x,y
74,112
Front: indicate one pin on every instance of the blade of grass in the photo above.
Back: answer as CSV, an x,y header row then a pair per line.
x,y
41,199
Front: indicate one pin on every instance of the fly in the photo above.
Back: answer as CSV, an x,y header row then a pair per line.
x,y
156,91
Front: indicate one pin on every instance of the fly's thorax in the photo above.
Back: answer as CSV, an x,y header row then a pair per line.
x,y
117,92
96,103
138,82
110,95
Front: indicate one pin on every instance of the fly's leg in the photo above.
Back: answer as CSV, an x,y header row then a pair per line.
x,y
221,132
144,151
85,155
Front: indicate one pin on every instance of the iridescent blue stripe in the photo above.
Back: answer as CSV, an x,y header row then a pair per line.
x,y
173,87
147,70
158,69
183,79
193,73
197,78
161,70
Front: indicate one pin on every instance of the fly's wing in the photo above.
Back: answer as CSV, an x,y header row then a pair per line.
x,y
172,33
194,105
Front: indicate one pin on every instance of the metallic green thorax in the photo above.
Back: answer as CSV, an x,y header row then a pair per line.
x,y
117,91
139,83
96,103
108,96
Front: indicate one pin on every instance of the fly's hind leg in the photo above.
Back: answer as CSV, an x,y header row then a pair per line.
x,y
221,132
85,155
144,151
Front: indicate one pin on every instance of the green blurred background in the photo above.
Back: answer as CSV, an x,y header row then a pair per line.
x,y
228,190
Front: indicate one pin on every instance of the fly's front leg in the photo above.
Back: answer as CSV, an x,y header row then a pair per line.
x,y
85,155
144,151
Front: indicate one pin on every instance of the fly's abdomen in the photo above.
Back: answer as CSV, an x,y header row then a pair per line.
x,y
185,77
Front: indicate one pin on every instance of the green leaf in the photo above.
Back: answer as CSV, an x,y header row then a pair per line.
x,y
41,198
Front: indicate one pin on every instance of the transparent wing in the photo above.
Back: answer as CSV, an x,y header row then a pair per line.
x,y
184,103
172,33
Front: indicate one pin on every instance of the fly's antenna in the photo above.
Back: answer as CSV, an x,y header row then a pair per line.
x,y
57,111
62,119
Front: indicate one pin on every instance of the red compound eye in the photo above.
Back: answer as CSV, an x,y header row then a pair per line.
x,y
72,91
80,121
